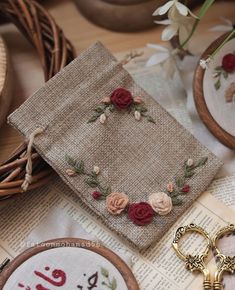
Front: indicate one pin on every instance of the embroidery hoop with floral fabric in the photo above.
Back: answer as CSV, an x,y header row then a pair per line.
x,y
141,213
91,246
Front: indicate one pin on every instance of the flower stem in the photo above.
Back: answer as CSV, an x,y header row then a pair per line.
x,y
207,4
230,36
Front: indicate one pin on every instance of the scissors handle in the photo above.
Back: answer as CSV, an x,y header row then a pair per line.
x,y
194,262
226,263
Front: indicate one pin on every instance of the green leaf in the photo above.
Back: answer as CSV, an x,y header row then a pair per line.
x,y
92,182
114,284
176,201
93,118
99,110
81,166
217,85
225,74
108,190
104,272
150,119
188,174
111,108
201,162
71,161
179,181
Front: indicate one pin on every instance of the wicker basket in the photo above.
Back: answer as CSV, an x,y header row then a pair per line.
x,y
55,52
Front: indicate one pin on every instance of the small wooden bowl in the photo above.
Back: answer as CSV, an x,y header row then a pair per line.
x,y
205,114
46,249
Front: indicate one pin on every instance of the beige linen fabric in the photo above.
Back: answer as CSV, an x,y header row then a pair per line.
x,y
137,158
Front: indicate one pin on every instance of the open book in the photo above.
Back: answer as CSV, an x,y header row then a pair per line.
x,y
156,267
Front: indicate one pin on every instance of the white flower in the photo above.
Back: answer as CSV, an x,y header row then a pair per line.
x,y
182,9
103,118
137,115
161,203
165,57
226,27
204,63
190,162
96,169
177,25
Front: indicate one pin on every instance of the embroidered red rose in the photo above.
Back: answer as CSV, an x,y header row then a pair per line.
x,y
228,62
141,213
96,195
186,188
121,98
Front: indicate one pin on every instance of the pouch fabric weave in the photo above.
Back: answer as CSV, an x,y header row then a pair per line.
x,y
135,157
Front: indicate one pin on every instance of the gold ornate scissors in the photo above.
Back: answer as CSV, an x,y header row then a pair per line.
x,y
226,263
194,262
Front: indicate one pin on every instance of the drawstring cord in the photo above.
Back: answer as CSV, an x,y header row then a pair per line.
x,y
29,166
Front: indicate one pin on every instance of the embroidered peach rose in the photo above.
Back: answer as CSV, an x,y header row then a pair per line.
x,y
116,202
161,203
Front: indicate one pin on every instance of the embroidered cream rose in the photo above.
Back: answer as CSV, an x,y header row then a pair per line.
x,y
116,202
161,203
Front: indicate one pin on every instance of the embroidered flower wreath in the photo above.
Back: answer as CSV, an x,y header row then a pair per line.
x,y
120,99
227,67
141,213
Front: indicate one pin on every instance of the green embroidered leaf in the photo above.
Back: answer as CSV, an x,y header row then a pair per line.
x,y
111,108
151,120
173,194
201,162
179,182
99,110
114,284
217,85
107,190
93,118
225,74
92,182
104,272
176,201
188,174
70,160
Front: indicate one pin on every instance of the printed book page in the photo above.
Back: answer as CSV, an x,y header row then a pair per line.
x,y
155,268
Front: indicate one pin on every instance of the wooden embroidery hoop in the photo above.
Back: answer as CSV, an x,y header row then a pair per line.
x,y
203,111
121,266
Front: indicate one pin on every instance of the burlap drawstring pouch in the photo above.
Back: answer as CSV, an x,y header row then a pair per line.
x,y
125,157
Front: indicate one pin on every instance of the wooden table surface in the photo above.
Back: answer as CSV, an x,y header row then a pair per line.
x,y
25,67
